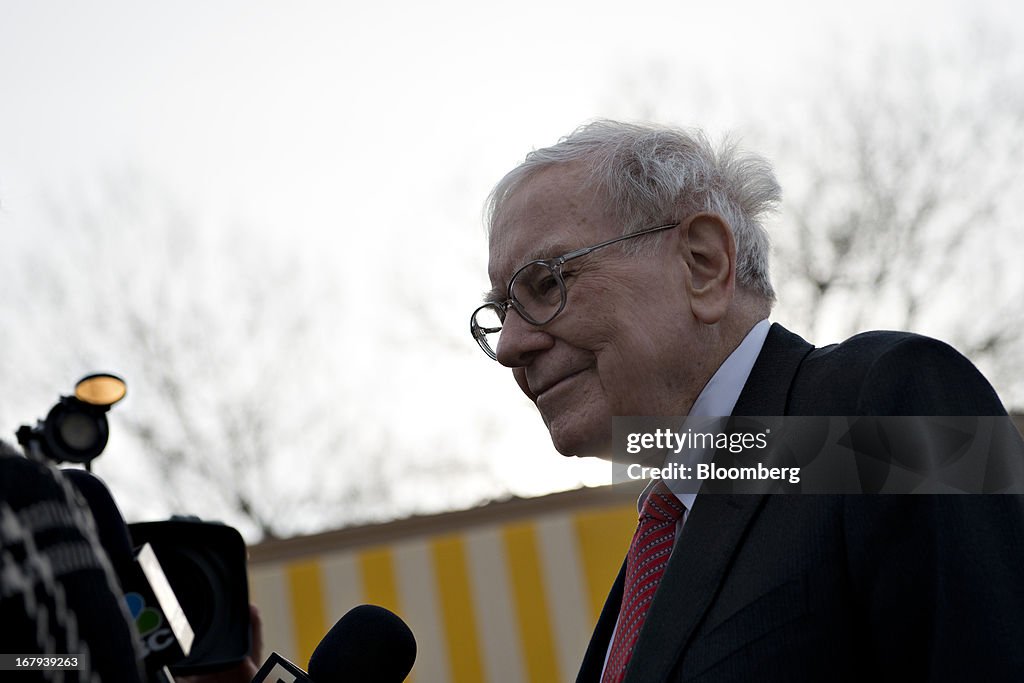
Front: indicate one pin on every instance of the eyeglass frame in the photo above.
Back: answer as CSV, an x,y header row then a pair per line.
x,y
555,266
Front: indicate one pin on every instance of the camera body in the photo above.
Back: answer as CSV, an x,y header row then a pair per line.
x,y
205,565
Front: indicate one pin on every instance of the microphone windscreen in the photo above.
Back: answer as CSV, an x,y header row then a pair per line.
x,y
110,524
369,644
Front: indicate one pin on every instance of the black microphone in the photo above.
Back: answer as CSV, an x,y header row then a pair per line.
x,y
369,644
165,633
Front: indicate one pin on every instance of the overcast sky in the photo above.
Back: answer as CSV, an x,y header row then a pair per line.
x,y
364,137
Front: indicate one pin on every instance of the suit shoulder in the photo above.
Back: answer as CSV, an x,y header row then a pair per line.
x,y
868,346
896,373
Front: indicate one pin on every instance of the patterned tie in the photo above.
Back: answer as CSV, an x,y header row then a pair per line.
x,y
645,565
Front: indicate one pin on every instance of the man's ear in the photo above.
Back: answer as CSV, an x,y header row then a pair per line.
x,y
710,251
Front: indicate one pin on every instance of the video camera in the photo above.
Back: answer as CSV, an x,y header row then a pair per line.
x,y
184,580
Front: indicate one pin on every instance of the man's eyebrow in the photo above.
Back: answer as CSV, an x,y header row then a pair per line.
x,y
495,295
546,251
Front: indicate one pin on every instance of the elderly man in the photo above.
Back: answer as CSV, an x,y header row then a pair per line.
x,y
629,273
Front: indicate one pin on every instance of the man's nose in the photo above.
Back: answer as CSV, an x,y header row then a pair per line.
x,y
520,341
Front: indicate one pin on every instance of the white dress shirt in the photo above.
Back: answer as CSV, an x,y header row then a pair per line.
x,y
716,399
719,395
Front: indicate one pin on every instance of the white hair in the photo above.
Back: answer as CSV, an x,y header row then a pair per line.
x,y
649,174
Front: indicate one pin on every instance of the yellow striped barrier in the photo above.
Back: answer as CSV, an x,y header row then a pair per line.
x,y
505,593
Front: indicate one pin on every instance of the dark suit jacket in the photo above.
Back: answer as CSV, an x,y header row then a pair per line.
x,y
837,588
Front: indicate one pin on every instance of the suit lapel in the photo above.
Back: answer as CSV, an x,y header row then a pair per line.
x,y
766,392
593,660
707,543
713,530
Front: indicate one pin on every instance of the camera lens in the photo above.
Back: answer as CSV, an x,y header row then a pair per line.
x,y
78,431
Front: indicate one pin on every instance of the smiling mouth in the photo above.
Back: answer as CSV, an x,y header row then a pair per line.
x,y
559,383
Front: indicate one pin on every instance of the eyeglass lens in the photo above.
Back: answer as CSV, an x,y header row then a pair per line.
x,y
488,328
538,290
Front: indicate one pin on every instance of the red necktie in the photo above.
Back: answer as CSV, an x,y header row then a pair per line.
x,y
645,565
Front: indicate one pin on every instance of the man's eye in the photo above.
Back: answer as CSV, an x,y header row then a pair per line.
x,y
545,285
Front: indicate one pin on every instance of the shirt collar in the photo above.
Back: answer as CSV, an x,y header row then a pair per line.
x,y
719,395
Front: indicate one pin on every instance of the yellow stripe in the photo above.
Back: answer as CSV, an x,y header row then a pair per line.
x,y
305,586
377,568
457,609
604,537
531,603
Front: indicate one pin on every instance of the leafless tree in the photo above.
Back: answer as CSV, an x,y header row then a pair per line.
x,y
903,191
904,201
234,351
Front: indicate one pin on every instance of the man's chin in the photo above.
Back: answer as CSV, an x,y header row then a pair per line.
x,y
582,447
578,432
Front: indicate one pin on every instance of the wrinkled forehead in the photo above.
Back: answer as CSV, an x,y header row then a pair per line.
x,y
554,211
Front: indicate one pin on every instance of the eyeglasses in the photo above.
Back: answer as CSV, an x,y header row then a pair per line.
x,y
537,292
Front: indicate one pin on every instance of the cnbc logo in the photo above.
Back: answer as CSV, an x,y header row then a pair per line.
x,y
148,622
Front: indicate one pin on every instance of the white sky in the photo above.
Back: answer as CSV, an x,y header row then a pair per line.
x,y
338,129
